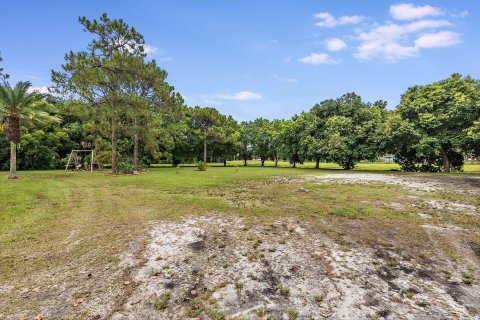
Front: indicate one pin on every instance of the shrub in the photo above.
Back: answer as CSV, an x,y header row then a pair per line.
x,y
202,166
124,165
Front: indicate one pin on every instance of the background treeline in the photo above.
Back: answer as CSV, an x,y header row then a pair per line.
x,y
114,100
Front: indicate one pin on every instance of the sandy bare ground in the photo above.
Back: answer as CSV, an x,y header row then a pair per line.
x,y
220,267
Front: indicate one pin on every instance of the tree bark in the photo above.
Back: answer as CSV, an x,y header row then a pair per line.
x,y
225,163
294,164
276,161
13,161
135,153
317,163
244,162
263,162
446,162
114,148
205,148
135,147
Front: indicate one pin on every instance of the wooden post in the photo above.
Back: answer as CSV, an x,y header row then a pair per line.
x,y
91,163
68,162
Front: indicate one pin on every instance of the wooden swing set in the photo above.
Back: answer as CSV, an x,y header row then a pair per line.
x,y
75,159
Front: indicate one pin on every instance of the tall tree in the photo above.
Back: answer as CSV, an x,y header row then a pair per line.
x,y
228,146
149,98
443,112
210,126
18,105
262,139
347,130
275,132
291,135
97,74
245,141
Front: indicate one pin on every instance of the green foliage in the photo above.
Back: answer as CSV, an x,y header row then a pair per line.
x,y
438,125
202,166
345,130
125,165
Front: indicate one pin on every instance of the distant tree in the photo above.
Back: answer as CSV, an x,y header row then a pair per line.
x,y
473,136
291,135
228,146
312,138
346,130
444,113
275,132
95,76
245,141
150,98
209,124
262,139
18,105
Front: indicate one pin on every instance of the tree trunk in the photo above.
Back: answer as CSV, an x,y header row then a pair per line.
x,y
446,162
276,161
13,161
263,162
244,162
294,164
135,153
205,148
225,163
317,163
114,148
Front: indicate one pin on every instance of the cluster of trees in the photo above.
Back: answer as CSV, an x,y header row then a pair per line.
x,y
114,100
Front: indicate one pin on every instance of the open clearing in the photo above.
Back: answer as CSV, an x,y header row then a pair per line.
x,y
260,243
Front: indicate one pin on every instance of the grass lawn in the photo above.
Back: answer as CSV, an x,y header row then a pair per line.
x,y
52,220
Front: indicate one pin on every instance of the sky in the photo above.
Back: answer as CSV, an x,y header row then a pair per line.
x,y
269,58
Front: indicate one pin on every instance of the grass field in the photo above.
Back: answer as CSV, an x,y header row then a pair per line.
x,y
362,166
70,230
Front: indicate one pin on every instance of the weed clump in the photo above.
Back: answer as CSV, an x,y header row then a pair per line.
x,y
202,166
284,292
162,302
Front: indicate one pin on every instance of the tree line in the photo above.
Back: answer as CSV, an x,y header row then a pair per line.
x,y
111,98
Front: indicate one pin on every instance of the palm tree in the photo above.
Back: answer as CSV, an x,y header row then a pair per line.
x,y
17,104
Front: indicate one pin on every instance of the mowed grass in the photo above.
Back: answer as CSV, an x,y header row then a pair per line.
x,y
362,166
50,219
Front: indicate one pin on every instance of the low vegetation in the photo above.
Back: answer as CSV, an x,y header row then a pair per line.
x,y
91,233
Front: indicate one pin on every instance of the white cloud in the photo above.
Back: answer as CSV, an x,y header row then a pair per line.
x,y
148,49
408,11
241,96
335,44
438,39
327,20
426,24
318,58
38,90
394,41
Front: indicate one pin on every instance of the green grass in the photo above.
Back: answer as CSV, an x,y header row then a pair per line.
x,y
50,219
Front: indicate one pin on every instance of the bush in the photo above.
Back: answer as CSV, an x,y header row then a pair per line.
x,y
202,166
124,165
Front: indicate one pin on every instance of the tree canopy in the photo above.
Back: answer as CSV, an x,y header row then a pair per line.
x,y
112,98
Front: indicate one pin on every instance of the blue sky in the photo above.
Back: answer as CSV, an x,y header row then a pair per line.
x,y
266,58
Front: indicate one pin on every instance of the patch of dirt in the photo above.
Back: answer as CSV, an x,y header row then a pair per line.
x,y
460,184
216,268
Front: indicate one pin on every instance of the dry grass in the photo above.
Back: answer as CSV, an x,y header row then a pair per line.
x,y
69,230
